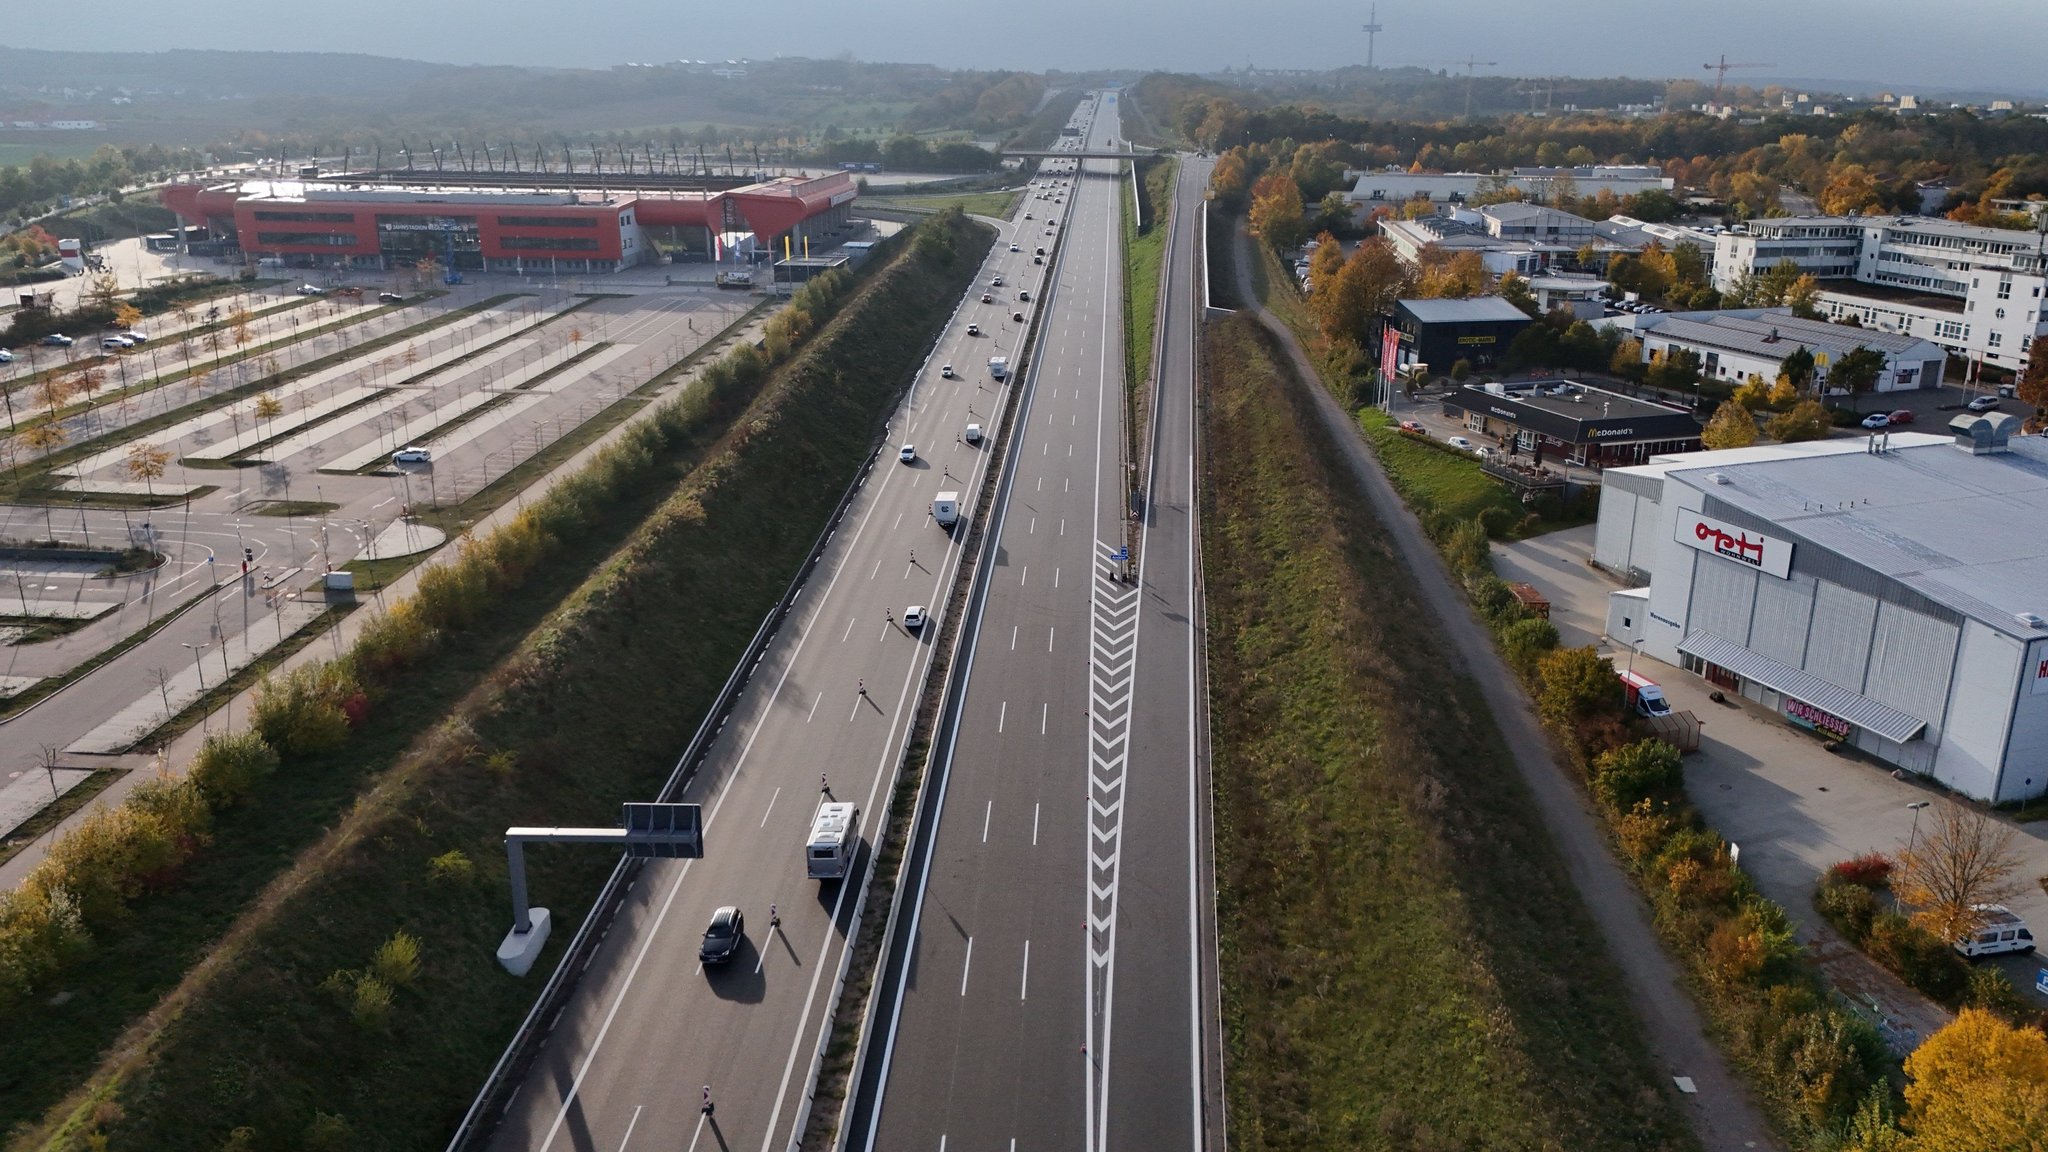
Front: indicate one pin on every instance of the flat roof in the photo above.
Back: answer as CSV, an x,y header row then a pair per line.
x,y
1479,309
1958,528
1886,293
1585,402
1769,333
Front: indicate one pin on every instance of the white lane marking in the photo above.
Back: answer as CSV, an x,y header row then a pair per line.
x,y
697,1132
1003,716
1024,576
1024,986
1013,637
635,1121
1034,825
1048,636
1055,577
966,965
770,808
899,521
877,571
1033,530
849,630
381,503
987,814
1044,715
815,697
1063,526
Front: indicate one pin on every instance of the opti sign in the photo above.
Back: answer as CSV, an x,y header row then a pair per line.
x,y
1741,545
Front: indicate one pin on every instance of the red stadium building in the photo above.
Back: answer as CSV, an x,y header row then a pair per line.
x,y
340,223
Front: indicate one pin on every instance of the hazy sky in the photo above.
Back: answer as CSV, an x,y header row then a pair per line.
x,y
1967,43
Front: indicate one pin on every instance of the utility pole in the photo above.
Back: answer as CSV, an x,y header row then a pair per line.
x,y
1373,28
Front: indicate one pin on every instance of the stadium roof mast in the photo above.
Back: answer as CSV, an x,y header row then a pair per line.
x,y
1373,28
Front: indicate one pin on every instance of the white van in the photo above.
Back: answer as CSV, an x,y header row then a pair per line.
x,y
974,433
2000,931
834,841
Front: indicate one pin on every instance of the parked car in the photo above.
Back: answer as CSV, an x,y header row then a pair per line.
x,y
57,340
310,290
1877,420
1412,426
996,283
6,357
973,434
722,937
1902,416
1459,442
1016,248
1017,317
974,329
988,297
135,336
412,454
390,298
1024,294
113,344
1982,404
907,453
946,370
913,617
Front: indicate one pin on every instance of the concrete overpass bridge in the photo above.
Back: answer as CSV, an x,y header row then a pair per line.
x,y
1070,154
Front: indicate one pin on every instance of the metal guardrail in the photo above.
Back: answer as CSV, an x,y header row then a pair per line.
x,y
520,1052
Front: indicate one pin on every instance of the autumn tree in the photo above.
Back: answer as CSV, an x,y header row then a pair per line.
x,y
127,315
1577,683
1276,213
1449,276
1851,188
1964,860
2033,385
1731,427
1806,420
1797,367
1753,393
1514,288
1978,1085
269,407
102,289
146,462
45,437
1366,286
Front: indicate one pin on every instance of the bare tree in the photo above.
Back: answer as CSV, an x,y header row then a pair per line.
x,y
1964,861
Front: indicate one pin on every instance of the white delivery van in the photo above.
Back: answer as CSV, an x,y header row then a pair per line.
x,y
1999,931
1644,695
973,434
946,508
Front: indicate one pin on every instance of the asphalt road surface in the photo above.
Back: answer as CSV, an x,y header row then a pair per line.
x,y
648,1029
1050,993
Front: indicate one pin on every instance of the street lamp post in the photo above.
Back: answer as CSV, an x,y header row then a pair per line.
x,y
1914,837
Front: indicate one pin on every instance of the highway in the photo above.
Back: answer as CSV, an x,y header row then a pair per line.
x,y
648,1029
1050,994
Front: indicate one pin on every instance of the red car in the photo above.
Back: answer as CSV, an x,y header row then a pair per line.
x,y
1902,416
1411,426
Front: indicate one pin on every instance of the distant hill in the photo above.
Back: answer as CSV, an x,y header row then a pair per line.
x,y
206,73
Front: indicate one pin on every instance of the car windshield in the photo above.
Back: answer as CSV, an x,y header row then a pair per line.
x,y
722,926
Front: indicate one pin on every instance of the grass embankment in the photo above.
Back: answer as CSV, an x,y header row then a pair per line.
x,y
1405,964
996,204
520,715
1144,252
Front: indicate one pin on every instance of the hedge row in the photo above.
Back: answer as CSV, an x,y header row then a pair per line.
x,y
1854,897
94,874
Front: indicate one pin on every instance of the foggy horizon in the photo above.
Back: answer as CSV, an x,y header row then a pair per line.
x,y
1995,48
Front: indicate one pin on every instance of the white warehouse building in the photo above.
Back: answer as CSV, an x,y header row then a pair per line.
x,y
1888,593
1398,185
1737,343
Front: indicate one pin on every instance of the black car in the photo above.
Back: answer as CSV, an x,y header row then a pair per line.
x,y
722,938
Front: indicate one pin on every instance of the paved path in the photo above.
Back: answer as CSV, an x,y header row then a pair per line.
x,y
31,791
1721,1112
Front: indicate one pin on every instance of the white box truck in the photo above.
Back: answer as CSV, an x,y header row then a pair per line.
x,y
999,367
946,508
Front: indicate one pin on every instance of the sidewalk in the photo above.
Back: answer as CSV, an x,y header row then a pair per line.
x,y
181,751
1720,1110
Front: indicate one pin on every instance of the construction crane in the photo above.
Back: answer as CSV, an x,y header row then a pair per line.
x,y
1373,28
1545,88
1469,63
1721,70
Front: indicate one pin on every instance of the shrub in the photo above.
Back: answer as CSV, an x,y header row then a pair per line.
x,y
370,1002
1989,989
397,962
1917,956
1634,772
229,764
242,1139
41,930
1871,870
1849,907
1835,1062
1645,829
452,867
1577,683
328,1133
392,641
1526,641
302,714
1466,548
111,857
1498,523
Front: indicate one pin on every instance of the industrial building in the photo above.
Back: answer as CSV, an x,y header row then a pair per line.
x,y
1398,185
1976,291
1884,592
384,223
1740,342
1564,419
1439,333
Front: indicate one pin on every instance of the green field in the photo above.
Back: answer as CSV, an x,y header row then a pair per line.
x,y
1144,251
1404,962
997,204
14,154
